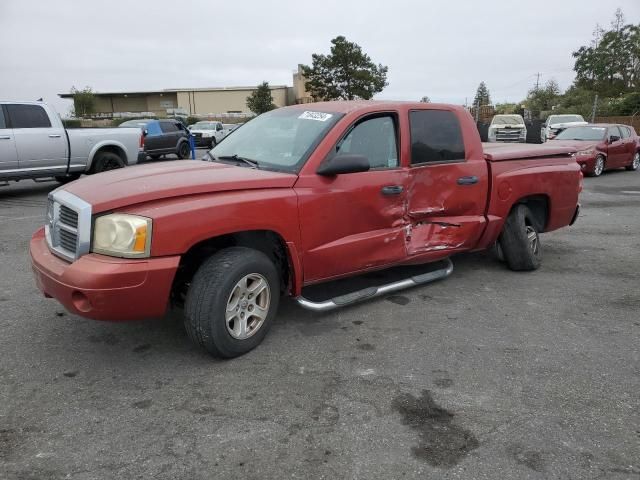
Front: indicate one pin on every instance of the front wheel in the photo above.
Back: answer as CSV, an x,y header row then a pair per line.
x,y
520,240
635,163
598,168
232,301
184,151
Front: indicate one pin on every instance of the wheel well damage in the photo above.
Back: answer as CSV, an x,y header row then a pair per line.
x,y
265,241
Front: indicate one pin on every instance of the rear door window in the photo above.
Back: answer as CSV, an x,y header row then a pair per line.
x,y
626,133
436,136
168,127
614,131
28,116
3,124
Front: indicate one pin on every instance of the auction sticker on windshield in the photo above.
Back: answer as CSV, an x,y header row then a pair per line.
x,y
320,116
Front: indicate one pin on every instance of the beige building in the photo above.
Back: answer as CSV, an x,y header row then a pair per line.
x,y
193,101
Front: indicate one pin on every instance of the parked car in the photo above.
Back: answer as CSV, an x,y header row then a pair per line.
x,y
162,137
208,134
507,129
34,144
602,147
347,188
554,124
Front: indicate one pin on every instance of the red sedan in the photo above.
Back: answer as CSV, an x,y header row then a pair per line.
x,y
602,147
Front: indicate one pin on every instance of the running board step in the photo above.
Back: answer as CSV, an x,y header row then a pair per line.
x,y
372,292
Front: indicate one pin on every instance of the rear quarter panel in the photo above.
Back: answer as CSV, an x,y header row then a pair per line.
x,y
558,180
85,143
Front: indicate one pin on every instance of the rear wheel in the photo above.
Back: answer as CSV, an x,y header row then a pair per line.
x,y
635,163
184,151
598,168
106,161
520,240
232,301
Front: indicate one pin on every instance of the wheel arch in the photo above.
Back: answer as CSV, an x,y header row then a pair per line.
x,y
116,148
268,242
539,206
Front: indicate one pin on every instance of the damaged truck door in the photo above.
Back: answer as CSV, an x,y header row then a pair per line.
x,y
448,182
357,217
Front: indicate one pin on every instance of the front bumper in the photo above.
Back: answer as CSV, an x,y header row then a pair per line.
x,y
587,163
104,288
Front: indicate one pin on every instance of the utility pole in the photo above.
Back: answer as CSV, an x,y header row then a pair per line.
x,y
594,109
538,81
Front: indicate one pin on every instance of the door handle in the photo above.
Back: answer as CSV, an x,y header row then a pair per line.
x,y
5,137
472,180
54,135
392,190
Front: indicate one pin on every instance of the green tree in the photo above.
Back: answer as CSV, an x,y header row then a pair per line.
x,y
425,99
260,100
347,73
611,64
482,96
543,99
84,102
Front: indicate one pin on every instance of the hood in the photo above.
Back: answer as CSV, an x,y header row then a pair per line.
x,y
144,183
197,130
577,144
567,124
508,127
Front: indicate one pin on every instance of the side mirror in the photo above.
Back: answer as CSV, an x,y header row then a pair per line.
x,y
344,163
613,138
145,132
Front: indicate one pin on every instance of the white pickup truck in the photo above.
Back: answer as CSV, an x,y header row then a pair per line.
x,y
34,145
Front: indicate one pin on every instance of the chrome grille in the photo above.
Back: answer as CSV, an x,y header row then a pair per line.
x,y
68,228
68,216
508,134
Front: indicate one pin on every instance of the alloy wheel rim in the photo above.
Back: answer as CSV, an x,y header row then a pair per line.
x,y
247,306
636,161
532,238
599,165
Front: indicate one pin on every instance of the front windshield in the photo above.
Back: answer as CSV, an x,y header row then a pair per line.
x,y
281,139
203,126
582,133
507,120
565,119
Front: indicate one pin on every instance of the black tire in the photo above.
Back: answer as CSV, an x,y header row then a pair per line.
x,y
213,143
212,288
184,150
635,163
597,171
105,161
520,250
67,178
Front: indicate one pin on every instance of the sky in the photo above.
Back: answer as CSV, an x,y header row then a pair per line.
x,y
441,49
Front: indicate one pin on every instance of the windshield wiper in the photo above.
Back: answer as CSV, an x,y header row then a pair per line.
x,y
238,158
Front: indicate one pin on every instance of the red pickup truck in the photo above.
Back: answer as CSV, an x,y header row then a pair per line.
x,y
296,197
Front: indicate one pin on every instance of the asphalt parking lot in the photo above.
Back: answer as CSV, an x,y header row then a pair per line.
x,y
489,374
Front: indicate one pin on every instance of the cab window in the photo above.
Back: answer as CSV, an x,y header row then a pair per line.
x,y
375,138
436,136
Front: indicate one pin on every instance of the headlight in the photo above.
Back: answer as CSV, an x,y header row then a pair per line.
x,y
584,153
122,235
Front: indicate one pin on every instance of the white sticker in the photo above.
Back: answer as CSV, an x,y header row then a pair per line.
x,y
320,116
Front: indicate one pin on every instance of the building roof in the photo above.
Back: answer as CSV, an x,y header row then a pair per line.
x,y
174,90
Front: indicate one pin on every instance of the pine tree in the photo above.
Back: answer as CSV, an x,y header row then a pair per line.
x,y
482,95
260,100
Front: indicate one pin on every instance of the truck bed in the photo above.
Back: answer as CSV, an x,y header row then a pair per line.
x,y
500,152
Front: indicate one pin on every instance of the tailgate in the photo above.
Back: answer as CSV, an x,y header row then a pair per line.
x,y
499,152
